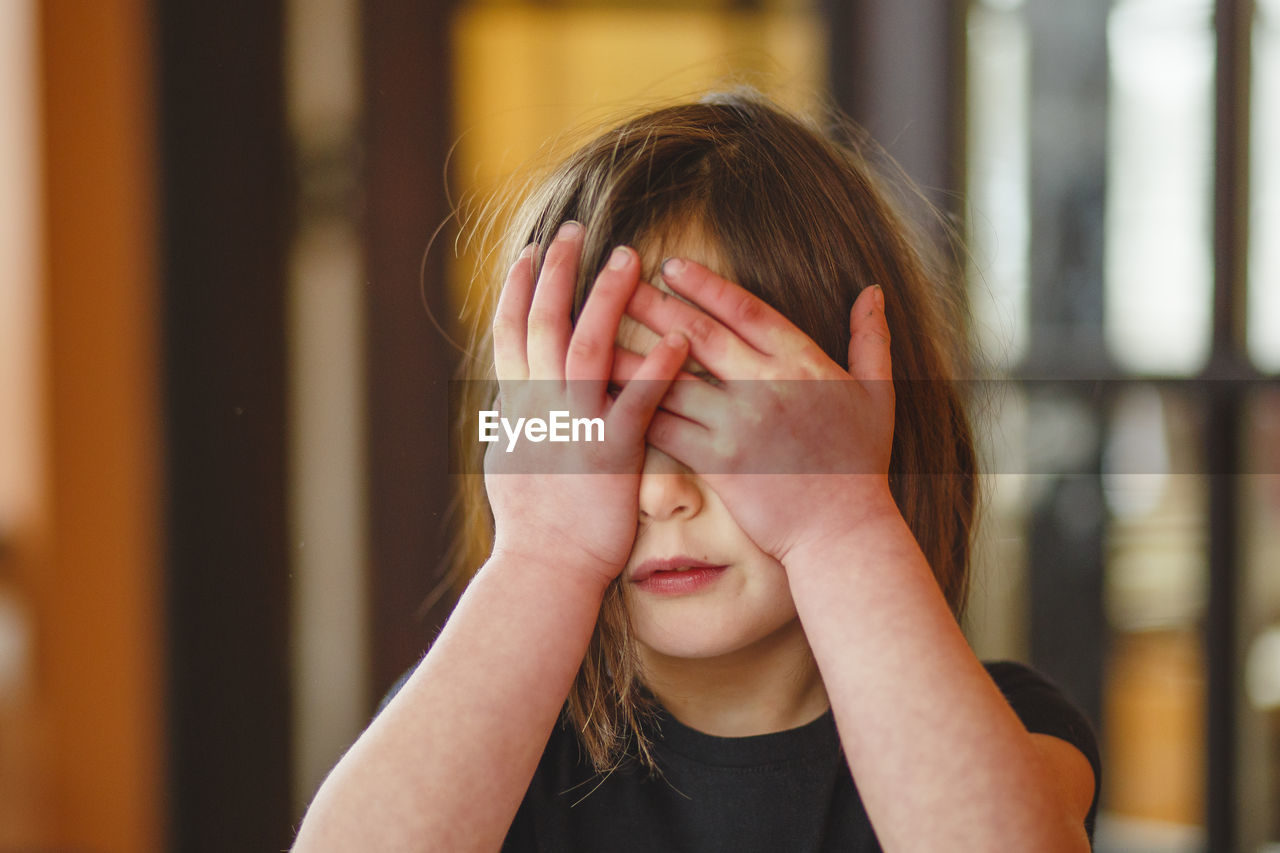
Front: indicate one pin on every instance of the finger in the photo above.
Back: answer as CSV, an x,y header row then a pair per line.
x,y
634,407
591,346
549,324
696,400
625,365
690,396
717,348
869,359
511,317
749,316
683,440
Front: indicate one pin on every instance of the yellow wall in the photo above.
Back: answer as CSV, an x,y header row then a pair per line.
x,y
525,73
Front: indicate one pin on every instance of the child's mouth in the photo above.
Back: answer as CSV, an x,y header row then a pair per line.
x,y
675,575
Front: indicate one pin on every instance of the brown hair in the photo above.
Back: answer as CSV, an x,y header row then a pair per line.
x,y
801,219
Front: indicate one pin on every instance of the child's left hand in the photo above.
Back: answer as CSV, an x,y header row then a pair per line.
x,y
781,408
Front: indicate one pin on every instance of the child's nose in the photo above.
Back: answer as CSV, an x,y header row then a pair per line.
x,y
667,488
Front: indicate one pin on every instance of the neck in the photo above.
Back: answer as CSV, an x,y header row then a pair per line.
x,y
770,686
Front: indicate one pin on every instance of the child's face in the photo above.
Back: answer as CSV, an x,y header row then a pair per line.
x,y
735,595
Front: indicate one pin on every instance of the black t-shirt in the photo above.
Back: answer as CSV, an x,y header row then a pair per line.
x,y
787,791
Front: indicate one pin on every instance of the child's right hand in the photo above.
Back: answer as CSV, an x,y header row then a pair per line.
x,y
571,506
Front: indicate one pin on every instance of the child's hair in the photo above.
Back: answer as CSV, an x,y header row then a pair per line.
x,y
800,219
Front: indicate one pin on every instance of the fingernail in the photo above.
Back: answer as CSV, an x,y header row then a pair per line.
x,y
672,266
675,340
620,258
527,251
569,230
877,296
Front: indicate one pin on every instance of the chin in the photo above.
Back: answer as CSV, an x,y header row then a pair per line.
x,y
685,647
705,635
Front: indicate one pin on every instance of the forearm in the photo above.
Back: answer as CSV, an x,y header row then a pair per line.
x,y
445,766
940,759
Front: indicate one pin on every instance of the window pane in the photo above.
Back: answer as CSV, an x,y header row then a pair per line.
x,y
1259,720
24,816
20,296
1155,588
325,321
1158,228
1264,248
997,611
999,218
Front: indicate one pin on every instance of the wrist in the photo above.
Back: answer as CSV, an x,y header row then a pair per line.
x,y
576,575
865,512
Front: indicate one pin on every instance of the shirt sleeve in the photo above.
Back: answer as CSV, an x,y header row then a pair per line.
x,y
394,689
1045,709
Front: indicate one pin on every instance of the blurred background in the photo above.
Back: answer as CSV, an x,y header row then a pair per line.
x,y
223,400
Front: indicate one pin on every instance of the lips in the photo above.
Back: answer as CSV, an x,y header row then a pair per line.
x,y
668,566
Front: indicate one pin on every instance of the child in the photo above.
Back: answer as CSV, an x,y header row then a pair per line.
x,y
701,631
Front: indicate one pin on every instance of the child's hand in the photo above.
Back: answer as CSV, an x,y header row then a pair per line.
x,y
795,445
571,505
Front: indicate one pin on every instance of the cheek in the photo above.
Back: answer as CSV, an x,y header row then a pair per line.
x,y
775,588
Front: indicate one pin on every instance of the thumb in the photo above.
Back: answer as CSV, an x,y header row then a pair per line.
x,y
869,360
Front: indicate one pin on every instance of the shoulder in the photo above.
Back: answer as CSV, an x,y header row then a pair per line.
x,y
1061,732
